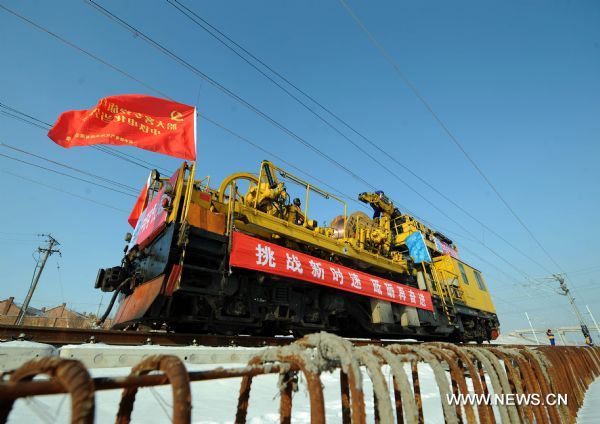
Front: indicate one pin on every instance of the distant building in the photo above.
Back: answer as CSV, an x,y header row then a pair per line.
x,y
58,316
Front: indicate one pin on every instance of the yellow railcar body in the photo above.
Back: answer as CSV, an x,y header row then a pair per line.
x,y
471,285
198,232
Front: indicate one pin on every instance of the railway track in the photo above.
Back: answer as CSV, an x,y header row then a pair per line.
x,y
64,336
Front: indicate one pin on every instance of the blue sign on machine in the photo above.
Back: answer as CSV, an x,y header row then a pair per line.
x,y
417,249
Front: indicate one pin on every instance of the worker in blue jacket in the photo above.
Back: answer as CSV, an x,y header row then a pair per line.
x,y
550,336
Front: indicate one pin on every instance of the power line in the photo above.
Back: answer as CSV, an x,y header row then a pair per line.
x,y
220,37
585,271
187,65
66,175
31,120
245,103
39,183
131,159
279,158
257,146
87,53
8,146
19,234
10,115
445,128
326,122
225,90
19,240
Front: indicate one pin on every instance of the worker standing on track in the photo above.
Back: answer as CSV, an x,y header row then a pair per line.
x,y
550,336
588,340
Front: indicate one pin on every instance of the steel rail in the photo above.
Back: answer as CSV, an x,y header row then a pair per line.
x,y
64,336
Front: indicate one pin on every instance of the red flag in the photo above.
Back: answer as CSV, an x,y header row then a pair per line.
x,y
139,206
146,122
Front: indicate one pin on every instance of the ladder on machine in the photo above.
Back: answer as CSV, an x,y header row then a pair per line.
x,y
443,289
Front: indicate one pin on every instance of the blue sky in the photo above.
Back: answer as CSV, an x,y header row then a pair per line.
x,y
516,82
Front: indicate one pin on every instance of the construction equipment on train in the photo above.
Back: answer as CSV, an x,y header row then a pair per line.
x,y
244,258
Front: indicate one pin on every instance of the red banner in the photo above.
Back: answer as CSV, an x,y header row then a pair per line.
x,y
445,248
252,253
139,206
146,122
153,217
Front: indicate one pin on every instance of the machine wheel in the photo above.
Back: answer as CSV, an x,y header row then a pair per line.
x,y
240,180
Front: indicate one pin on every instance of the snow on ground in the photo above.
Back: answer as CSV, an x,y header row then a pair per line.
x,y
513,339
590,411
216,401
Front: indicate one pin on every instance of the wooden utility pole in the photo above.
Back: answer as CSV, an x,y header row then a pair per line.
x,y
37,273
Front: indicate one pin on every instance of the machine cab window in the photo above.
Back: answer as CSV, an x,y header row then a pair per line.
x,y
479,280
463,272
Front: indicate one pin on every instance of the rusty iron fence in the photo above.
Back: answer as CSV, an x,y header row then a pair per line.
x,y
457,369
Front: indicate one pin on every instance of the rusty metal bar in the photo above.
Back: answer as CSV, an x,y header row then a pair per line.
x,y
21,389
345,394
70,374
174,370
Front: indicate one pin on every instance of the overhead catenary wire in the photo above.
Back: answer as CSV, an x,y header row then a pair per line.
x,y
29,119
207,119
213,122
146,85
229,43
231,94
19,240
66,175
187,12
279,158
191,67
131,159
308,175
141,35
72,168
301,171
585,271
202,23
13,116
258,111
20,234
39,183
388,57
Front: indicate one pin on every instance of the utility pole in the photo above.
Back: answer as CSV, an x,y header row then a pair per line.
x,y
37,273
99,305
561,334
566,292
593,319
532,330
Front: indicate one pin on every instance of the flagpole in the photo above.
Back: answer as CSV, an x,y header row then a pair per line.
x,y
189,191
